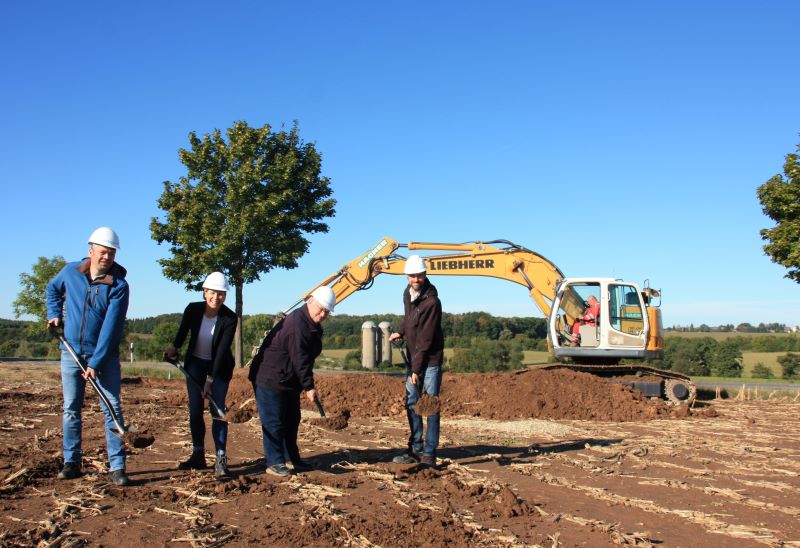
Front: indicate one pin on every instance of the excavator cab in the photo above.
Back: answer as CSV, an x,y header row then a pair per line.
x,y
618,328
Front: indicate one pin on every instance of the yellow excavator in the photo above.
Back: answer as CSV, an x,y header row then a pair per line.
x,y
627,327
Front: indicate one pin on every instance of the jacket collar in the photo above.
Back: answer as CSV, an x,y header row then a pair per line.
x,y
116,271
426,290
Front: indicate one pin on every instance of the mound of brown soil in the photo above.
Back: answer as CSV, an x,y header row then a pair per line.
x,y
557,394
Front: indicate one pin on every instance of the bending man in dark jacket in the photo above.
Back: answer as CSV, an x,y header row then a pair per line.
x,y
281,370
422,329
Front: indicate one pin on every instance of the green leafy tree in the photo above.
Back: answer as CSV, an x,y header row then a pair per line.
x,y
31,300
243,207
486,355
780,201
726,360
790,365
689,356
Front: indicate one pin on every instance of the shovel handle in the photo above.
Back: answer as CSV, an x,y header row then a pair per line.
x,y
83,367
219,411
403,355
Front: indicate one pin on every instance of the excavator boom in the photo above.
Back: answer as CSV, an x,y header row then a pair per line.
x,y
510,262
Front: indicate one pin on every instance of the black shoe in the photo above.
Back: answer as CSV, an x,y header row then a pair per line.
x,y
197,461
406,458
280,470
119,477
71,470
221,466
302,466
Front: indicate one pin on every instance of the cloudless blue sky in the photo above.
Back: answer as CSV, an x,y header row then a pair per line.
x,y
621,139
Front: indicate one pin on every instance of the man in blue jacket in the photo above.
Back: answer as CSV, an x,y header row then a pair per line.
x,y
90,299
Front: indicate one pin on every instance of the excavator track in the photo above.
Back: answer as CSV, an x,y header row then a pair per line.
x,y
675,388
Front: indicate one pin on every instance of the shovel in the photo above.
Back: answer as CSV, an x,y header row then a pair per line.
x,y
220,413
319,406
121,430
426,405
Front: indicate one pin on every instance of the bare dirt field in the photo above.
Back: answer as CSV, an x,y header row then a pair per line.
x,y
526,459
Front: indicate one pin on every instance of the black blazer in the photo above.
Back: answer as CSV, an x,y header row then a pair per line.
x,y
221,355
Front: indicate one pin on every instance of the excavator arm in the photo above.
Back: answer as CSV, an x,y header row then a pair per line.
x,y
496,259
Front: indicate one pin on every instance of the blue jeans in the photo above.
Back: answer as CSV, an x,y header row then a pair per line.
x,y
431,376
197,369
109,380
279,411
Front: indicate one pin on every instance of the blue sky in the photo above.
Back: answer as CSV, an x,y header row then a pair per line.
x,y
621,139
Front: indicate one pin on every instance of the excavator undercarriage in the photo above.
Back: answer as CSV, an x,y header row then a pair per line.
x,y
674,387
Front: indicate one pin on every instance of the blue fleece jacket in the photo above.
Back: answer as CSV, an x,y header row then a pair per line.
x,y
93,310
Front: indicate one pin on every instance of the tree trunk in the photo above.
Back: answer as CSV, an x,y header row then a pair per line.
x,y
238,337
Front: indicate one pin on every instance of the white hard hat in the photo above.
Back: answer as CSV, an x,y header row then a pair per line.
x,y
325,297
216,281
415,265
104,236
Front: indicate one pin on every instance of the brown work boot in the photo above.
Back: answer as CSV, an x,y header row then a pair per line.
x,y
428,460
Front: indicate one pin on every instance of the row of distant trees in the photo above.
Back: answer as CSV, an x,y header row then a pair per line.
x,y
706,356
481,342
730,328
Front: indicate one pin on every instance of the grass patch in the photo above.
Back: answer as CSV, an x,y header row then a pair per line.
x,y
769,359
158,372
535,357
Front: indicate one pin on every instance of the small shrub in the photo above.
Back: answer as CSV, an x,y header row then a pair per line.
x,y
352,360
761,371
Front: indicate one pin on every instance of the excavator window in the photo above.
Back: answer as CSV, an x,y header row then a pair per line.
x,y
626,313
579,318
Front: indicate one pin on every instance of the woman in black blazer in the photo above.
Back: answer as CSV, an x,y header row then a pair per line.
x,y
209,361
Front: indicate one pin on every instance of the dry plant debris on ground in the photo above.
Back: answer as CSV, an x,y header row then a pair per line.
x,y
528,459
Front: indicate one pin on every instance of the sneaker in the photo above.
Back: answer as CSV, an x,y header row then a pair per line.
x,y
118,477
302,466
71,470
279,470
221,466
197,461
428,460
406,458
